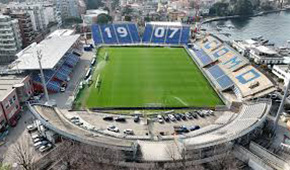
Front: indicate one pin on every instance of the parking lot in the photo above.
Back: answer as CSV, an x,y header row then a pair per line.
x,y
18,134
142,127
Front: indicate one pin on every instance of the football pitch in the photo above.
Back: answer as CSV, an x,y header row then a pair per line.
x,y
148,77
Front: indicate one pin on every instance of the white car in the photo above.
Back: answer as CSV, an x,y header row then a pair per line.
x,y
40,143
128,132
45,148
35,135
113,128
31,128
160,119
171,117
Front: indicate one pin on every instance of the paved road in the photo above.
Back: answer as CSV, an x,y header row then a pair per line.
x,y
17,134
80,69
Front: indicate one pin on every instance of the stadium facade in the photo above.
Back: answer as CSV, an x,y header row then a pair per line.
x,y
237,82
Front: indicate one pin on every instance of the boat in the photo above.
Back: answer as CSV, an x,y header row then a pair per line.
x,y
257,38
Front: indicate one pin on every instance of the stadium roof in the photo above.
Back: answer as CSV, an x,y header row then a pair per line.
x,y
166,23
61,32
52,50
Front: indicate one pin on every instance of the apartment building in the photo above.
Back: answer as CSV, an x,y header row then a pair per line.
x,y
36,12
13,91
68,8
10,38
25,26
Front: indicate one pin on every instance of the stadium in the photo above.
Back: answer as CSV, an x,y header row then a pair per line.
x,y
165,72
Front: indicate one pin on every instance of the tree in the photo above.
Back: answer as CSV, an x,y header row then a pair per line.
x,y
266,6
3,166
22,154
115,4
77,155
104,19
219,9
128,18
244,8
127,11
94,4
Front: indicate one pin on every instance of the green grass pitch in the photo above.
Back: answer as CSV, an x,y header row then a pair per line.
x,y
153,76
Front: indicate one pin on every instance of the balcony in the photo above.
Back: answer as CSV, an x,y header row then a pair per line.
x,y
5,29
7,43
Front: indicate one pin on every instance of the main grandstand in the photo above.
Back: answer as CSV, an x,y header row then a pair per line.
x,y
60,52
212,69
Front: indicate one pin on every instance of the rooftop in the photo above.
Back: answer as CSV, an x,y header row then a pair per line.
x,y
52,50
266,50
61,32
166,23
7,83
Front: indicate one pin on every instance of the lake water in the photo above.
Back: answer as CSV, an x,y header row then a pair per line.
x,y
275,27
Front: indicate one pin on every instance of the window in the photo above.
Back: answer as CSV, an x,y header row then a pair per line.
x,y
7,106
11,101
14,97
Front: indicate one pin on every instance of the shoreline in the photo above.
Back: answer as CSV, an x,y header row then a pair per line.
x,y
240,16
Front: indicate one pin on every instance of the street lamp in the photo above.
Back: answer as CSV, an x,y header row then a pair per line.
x,y
282,103
39,56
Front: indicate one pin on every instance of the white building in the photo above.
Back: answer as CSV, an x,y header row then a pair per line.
x,y
281,71
10,38
259,53
37,14
68,8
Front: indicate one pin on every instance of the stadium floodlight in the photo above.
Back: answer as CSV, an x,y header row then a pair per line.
x,y
39,56
281,107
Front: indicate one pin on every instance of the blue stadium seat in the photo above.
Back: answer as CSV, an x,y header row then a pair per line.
x,y
225,82
53,86
159,34
185,35
202,56
108,34
173,35
216,71
123,33
134,32
97,34
147,33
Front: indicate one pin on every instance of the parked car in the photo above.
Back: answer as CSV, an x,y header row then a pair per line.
x,y
113,128
45,148
171,117
78,123
211,112
120,119
160,119
180,129
182,116
200,113
75,119
193,128
177,116
31,128
36,140
108,118
40,143
194,115
166,118
188,115
35,135
128,132
136,118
